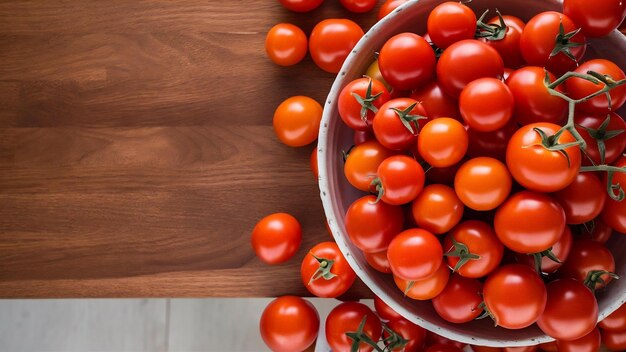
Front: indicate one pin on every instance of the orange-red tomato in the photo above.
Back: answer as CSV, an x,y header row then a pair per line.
x,y
301,5
482,183
276,238
400,178
346,317
586,256
460,300
614,340
437,209
325,272
508,47
372,225
450,22
414,334
362,163
442,142
331,41
436,102
407,61
384,311
479,239
583,199
560,250
351,109
587,343
358,6
427,288
297,121
486,104
389,6
391,121
403,261
289,323
578,88
286,44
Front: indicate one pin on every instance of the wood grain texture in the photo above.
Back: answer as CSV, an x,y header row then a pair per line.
x,y
136,148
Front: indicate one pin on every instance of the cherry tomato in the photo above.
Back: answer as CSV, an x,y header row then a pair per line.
x,y
289,323
276,238
325,272
400,179
301,5
537,168
358,6
389,6
443,175
492,144
476,238
407,61
437,209
452,69
616,321
482,183
396,123
538,235
378,261
297,121
434,339
605,136
583,199
362,163
614,340
549,346
286,44
331,41
427,288
515,295
571,311
560,250
614,212
443,348
521,349
587,343
361,137
442,142
414,334
346,317
508,46
384,311
578,88
599,232
403,261
486,104
539,40
460,300
359,113
436,102
586,256
371,226
533,102
595,19
451,22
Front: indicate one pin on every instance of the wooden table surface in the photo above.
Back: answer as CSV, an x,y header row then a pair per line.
x,y
136,148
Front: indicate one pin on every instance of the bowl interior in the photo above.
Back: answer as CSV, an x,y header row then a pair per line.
x,y
337,194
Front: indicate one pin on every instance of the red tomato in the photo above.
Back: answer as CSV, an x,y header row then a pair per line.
x,y
587,343
508,47
614,212
389,6
358,113
537,168
599,232
443,348
384,311
345,318
583,199
515,295
475,238
403,261
586,256
407,61
434,339
378,261
588,125
361,137
492,144
460,300
486,117
595,19
442,142
297,121
486,349
289,323
414,334
396,123
301,5
482,183
371,226
541,36
436,102
533,102
559,320
560,250
616,321
400,179
452,68
521,349
331,41
549,346
427,288
451,22
276,238
538,235
358,6
578,88
325,272
286,44
362,163
437,209
614,340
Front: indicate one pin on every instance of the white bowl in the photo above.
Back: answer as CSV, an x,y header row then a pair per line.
x,y
337,194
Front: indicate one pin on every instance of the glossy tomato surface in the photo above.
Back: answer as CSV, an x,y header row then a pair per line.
x,y
578,88
372,225
346,317
584,198
442,142
289,323
450,22
331,41
486,104
276,238
325,272
482,183
479,239
286,44
407,61
374,94
401,179
437,209
362,163
403,261
460,300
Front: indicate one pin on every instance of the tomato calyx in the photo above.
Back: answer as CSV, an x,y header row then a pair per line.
x,y
367,102
486,313
409,121
594,277
324,269
377,184
461,251
551,143
564,43
394,341
359,337
537,257
615,190
491,32
601,135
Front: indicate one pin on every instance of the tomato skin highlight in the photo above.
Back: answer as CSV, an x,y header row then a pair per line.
x,y
583,199
334,287
578,88
346,317
587,343
297,121
371,226
276,238
450,22
402,179
460,299
331,41
437,209
481,240
289,323
378,261
486,104
442,142
286,44
482,183
595,19
350,109
407,61
408,266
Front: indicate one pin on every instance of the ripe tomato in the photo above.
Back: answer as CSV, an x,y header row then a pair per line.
x,y
358,6
414,334
313,162
362,163
436,102
301,5
378,261
549,346
407,61
460,300
538,235
476,238
508,47
586,256
492,144
286,44
443,348
515,295
616,321
578,88
595,19
331,41
541,36
345,318
297,121
325,272
486,104
396,123
482,183
599,232
443,175
451,22
583,199
276,238
614,212
589,342
403,261
537,168
385,312
560,319
358,113
533,102
371,226
560,250
437,209
452,71
289,323
442,142
434,339
427,288
400,179
614,340
604,136
389,6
